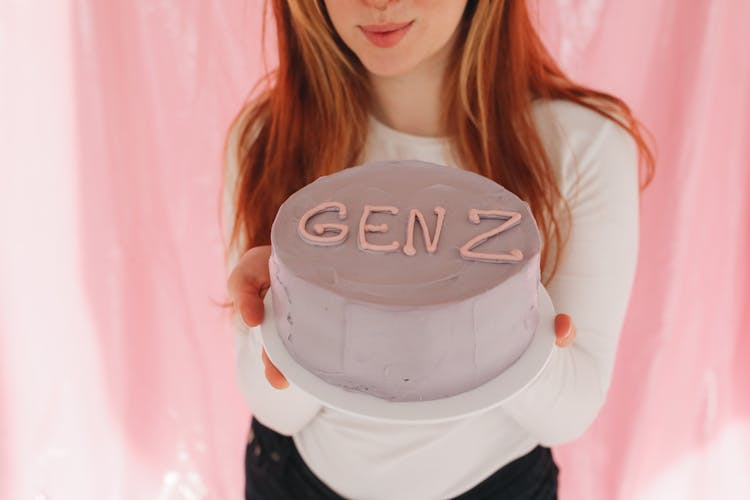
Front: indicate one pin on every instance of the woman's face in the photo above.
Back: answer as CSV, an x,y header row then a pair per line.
x,y
390,37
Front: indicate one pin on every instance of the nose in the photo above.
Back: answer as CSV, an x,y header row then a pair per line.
x,y
379,4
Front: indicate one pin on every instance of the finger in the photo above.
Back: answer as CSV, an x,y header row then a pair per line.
x,y
565,330
248,277
567,341
250,307
248,284
247,296
274,376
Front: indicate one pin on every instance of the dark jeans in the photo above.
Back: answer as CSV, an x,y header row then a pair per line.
x,y
274,470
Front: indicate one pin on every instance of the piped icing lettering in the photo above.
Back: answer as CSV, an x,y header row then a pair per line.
x,y
370,228
513,218
320,229
431,245
466,251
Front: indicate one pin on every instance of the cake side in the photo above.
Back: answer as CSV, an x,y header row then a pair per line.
x,y
405,354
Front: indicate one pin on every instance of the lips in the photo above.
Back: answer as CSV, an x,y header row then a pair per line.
x,y
383,28
385,35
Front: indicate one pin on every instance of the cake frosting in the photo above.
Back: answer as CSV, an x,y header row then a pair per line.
x,y
405,280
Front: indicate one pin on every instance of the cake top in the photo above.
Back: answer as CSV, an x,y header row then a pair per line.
x,y
405,233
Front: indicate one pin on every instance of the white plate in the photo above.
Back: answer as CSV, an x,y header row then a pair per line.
x,y
490,394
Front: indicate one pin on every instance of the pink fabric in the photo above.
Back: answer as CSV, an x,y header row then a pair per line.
x,y
116,366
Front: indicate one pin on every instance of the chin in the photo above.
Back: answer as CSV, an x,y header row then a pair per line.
x,y
387,67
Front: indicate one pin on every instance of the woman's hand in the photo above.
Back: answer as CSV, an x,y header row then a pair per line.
x,y
565,330
247,287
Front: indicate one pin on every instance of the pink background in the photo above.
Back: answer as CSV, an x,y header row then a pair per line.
x,y
117,374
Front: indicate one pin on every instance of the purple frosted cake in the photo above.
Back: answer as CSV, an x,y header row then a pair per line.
x,y
405,280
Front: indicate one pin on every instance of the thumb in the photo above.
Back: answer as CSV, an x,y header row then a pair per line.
x,y
250,307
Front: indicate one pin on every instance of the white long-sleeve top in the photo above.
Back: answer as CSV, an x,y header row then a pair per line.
x,y
596,165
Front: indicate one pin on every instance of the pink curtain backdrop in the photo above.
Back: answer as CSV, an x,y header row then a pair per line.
x,y
117,374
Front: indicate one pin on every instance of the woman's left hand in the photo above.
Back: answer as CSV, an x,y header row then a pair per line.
x,y
565,330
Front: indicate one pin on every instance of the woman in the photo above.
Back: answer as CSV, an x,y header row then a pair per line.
x,y
456,82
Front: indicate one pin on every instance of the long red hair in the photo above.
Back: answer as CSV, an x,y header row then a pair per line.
x,y
310,116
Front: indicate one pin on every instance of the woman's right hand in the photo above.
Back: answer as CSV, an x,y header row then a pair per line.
x,y
247,286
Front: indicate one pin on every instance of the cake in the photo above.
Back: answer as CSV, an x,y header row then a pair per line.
x,y
405,280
